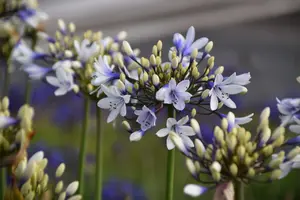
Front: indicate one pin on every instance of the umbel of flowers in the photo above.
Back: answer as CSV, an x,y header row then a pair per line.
x,y
188,80
238,156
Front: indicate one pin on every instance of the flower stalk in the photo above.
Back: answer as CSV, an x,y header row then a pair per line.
x,y
99,156
85,126
239,191
170,163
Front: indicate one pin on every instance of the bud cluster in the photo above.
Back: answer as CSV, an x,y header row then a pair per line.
x,y
15,132
238,155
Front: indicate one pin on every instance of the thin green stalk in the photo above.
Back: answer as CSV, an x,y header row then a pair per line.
x,y
99,156
85,125
239,192
5,90
170,164
28,91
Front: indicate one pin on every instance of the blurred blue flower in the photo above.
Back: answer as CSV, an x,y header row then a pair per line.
x,y
122,190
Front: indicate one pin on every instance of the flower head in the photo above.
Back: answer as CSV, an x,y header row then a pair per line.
x,y
115,102
146,118
289,109
175,94
180,128
223,88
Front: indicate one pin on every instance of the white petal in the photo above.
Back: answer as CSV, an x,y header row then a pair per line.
x,y
72,188
170,144
213,101
180,105
53,81
187,141
242,79
244,120
123,110
113,115
5,121
194,190
183,86
163,132
190,36
60,91
160,94
295,128
233,89
172,84
200,43
187,130
77,46
183,120
229,79
218,79
171,122
136,136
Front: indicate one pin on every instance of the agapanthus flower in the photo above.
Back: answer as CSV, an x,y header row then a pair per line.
x,y
175,94
115,102
221,89
295,127
63,81
180,128
290,110
146,118
237,155
86,49
176,82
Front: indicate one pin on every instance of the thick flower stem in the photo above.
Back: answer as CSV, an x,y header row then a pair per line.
x,y
239,190
5,90
170,164
85,126
99,156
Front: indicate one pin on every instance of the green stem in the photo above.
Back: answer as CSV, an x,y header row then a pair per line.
x,y
28,91
5,91
99,156
239,190
85,126
170,164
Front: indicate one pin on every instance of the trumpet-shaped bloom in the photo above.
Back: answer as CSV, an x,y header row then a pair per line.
x,y
179,128
103,74
223,88
32,17
290,110
186,45
146,118
86,49
63,81
115,102
175,94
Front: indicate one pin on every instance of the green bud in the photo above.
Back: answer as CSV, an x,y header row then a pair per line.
x,y
152,60
194,53
154,50
191,166
241,150
60,170
275,163
145,77
127,48
174,62
205,94
293,153
224,124
233,169
209,46
277,132
158,60
136,86
251,172
59,187
159,45
247,160
122,77
231,142
145,62
275,175
219,70
5,103
200,149
193,112
216,176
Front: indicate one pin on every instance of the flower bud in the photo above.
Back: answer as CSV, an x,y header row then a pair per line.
x,y
193,112
191,166
265,114
224,124
60,170
127,126
127,48
20,168
211,61
5,103
75,197
72,27
68,54
76,89
275,175
195,125
122,77
293,153
174,62
122,35
145,77
205,94
209,46
231,142
155,80
158,60
215,167
251,172
233,169
59,187
72,188
152,60
194,53
61,25
277,132
265,136
62,196
200,149
241,150
154,50
267,150
159,45
219,70
178,142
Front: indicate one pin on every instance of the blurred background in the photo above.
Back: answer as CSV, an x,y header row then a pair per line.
x,y
258,36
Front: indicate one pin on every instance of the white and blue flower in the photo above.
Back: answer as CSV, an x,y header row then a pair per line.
x,y
180,128
86,49
146,118
194,190
186,45
32,17
175,94
221,89
290,110
64,81
236,121
6,121
104,73
115,102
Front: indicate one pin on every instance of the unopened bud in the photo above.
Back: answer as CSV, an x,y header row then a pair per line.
x,y
275,175
195,125
5,103
174,62
193,112
127,48
60,170
61,25
209,46
191,166
127,126
155,80
72,27
233,169
59,187
152,60
219,70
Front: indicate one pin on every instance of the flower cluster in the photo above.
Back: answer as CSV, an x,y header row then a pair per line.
x,y
178,84
15,133
236,155
30,181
